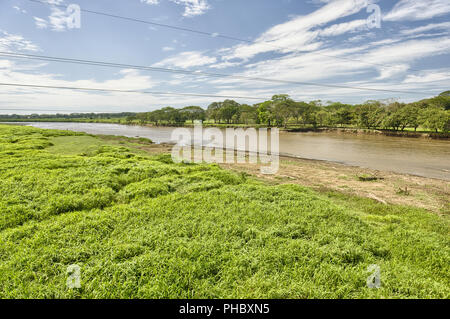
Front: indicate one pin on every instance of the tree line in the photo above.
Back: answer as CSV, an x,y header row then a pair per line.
x,y
68,116
432,114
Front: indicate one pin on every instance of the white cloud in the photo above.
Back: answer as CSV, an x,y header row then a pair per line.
x,y
321,66
20,9
168,49
363,36
128,79
153,2
224,65
15,42
5,64
385,42
54,1
338,29
409,51
187,59
300,32
429,27
428,76
417,10
58,19
193,7
42,98
389,72
40,23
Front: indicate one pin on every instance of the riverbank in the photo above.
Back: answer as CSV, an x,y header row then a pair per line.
x,y
417,156
408,134
290,129
323,176
328,178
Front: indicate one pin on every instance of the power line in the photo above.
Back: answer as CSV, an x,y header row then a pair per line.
x,y
129,91
195,73
215,35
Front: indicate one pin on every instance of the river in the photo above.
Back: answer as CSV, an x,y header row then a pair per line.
x,y
417,156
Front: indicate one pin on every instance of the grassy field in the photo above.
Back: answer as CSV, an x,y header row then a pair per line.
x,y
140,226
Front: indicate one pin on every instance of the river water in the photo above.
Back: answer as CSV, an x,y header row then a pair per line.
x,y
417,156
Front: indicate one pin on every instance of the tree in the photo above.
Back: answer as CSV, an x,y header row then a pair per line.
x,y
317,103
343,116
155,116
281,98
322,118
282,108
410,116
369,114
299,109
193,113
397,117
391,121
170,115
443,100
248,113
229,109
305,111
265,114
434,118
142,117
213,111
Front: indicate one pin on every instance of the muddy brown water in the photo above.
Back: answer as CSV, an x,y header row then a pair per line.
x,y
417,156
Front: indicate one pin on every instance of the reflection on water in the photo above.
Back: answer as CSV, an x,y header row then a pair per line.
x,y
424,157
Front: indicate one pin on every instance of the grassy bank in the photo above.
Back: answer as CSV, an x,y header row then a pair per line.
x,y
140,226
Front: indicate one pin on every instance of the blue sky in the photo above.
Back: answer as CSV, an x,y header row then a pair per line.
x,y
320,41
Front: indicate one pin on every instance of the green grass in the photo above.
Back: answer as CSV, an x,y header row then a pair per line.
x,y
69,145
89,145
144,227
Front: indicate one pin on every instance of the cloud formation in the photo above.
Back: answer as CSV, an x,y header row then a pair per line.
x,y
429,27
192,8
300,32
59,20
186,60
15,42
417,10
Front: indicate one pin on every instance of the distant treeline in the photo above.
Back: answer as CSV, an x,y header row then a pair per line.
x,y
430,114
59,116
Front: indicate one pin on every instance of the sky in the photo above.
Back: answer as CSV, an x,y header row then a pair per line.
x,y
401,45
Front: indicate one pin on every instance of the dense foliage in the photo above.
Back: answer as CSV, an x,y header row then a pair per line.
x,y
431,114
143,227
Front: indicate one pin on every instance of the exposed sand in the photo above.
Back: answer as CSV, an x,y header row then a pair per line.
x,y
391,188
